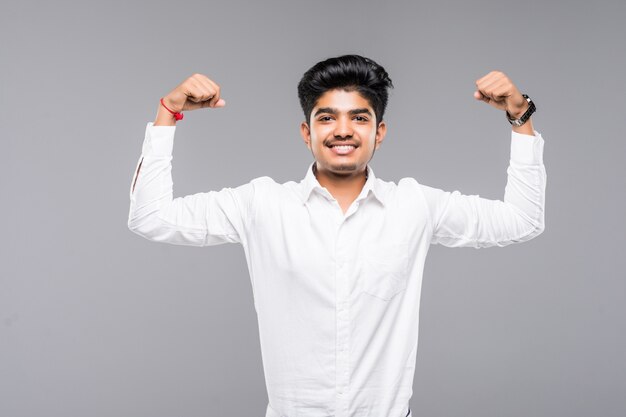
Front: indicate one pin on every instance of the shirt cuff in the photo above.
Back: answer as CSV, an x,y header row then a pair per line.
x,y
158,141
527,149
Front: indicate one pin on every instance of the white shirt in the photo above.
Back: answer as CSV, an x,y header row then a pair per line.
x,y
337,295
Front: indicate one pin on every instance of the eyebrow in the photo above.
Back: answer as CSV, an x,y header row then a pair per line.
x,y
334,111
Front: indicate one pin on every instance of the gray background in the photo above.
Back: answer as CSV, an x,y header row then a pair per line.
x,y
96,321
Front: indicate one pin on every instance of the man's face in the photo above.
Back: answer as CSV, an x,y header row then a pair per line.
x,y
342,118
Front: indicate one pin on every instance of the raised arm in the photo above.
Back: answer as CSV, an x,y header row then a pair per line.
x,y
469,220
201,219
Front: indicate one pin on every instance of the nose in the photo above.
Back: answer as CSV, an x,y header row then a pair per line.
x,y
343,128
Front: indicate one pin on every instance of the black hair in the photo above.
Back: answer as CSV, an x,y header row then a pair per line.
x,y
349,73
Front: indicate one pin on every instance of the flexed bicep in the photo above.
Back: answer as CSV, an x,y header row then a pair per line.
x,y
469,220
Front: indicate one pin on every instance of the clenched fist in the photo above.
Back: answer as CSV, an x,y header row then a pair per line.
x,y
497,89
196,92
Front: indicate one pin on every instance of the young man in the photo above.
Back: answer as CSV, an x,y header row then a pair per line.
x,y
336,260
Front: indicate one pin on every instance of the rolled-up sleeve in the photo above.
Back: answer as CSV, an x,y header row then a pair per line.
x,y
201,219
468,220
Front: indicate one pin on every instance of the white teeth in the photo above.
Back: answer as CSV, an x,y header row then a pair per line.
x,y
343,149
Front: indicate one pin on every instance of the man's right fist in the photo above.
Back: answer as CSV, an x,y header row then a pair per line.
x,y
196,92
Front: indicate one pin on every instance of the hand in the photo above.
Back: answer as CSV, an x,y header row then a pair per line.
x,y
196,92
497,89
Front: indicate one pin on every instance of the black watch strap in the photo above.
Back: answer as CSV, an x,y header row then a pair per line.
x,y
531,109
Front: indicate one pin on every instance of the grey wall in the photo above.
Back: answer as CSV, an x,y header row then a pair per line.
x,y
95,321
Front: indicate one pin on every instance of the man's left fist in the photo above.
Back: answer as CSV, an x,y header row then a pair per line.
x,y
496,89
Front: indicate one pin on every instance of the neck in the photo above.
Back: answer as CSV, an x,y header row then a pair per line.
x,y
341,187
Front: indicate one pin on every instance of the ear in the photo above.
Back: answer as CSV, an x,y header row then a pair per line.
x,y
381,131
305,131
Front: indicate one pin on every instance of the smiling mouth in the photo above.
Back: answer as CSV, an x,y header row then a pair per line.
x,y
342,149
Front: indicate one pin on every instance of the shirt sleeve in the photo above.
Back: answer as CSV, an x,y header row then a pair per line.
x,y
468,220
202,219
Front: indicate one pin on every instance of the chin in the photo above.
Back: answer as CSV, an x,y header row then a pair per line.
x,y
344,168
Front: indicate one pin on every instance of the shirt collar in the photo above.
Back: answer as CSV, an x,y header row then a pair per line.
x,y
310,183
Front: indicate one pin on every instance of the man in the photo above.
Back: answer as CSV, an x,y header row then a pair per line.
x,y
336,260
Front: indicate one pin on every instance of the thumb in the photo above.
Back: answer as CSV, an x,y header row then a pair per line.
x,y
480,96
220,103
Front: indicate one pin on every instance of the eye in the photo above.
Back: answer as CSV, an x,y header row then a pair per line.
x,y
361,118
325,118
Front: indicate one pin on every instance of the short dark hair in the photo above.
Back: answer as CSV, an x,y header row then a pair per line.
x,y
349,73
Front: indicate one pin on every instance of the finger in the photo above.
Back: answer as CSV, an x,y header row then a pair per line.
x,y
485,77
220,103
196,92
204,81
216,93
208,85
482,88
481,97
208,90
487,86
496,92
502,91
490,78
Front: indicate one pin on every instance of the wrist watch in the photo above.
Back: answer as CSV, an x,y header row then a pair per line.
x,y
525,116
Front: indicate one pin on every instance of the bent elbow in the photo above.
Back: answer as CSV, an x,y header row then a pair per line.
x,y
137,228
525,230
155,229
144,224
536,227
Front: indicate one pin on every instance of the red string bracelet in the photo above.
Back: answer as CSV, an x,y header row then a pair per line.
x,y
177,116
